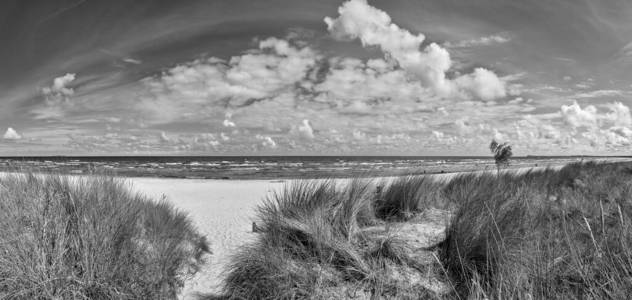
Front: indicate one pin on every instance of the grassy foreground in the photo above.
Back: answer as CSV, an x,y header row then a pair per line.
x,y
90,238
548,234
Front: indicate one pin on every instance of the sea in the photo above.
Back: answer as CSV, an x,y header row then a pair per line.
x,y
272,167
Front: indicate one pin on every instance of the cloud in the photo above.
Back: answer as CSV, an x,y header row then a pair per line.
x,y
272,69
575,116
462,127
164,138
133,61
599,94
56,98
482,41
482,84
305,130
443,138
589,128
619,115
204,142
266,141
11,134
359,135
589,116
373,27
353,83
289,78
59,90
228,123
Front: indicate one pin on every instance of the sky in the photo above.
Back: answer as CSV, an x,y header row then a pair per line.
x,y
298,77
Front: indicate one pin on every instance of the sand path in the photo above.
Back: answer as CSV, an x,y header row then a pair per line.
x,y
221,209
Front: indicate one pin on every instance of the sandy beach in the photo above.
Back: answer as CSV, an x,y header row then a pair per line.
x,y
221,209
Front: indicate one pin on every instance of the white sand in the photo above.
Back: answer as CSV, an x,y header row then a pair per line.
x,y
221,209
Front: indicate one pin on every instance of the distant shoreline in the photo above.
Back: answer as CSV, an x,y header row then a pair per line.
x,y
277,168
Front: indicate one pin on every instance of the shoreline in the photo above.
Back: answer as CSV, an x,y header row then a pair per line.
x,y
302,174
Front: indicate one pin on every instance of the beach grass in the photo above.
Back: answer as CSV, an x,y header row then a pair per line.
x,y
542,234
65,237
307,242
315,243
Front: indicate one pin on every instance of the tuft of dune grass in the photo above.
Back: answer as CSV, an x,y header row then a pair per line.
x,y
307,242
91,238
542,235
405,196
313,244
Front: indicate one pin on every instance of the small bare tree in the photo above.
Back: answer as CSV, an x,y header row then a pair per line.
x,y
502,153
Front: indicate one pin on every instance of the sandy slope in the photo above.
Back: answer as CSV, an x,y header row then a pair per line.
x,y
221,209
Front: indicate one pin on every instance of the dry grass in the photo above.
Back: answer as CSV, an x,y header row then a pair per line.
x,y
542,235
90,238
549,234
406,196
312,245
307,242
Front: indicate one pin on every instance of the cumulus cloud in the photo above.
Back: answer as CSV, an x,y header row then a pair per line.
x,y
589,116
359,135
11,134
163,137
266,141
482,84
619,115
576,116
204,142
56,98
59,90
373,27
355,83
462,127
228,123
272,69
606,127
287,74
443,138
367,100
306,131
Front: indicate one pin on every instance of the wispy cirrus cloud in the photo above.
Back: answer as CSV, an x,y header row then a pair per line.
x,y
482,41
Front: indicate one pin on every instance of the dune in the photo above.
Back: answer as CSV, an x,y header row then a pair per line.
x,y
224,211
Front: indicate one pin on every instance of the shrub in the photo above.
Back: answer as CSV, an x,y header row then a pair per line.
x,y
502,153
91,238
